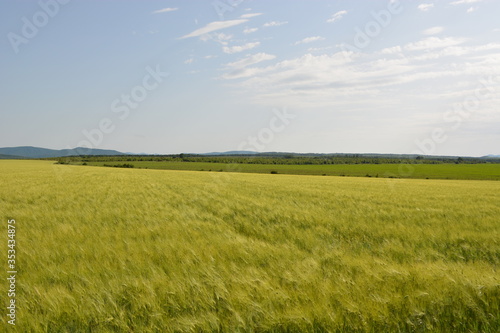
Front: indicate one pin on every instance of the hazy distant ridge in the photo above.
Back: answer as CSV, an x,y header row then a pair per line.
x,y
36,152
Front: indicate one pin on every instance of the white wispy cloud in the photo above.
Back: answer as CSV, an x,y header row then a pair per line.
x,y
433,31
309,40
337,16
434,48
431,43
319,49
214,26
392,50
333,79
461,2
240,48
238,69
251,60
274,24
220,38
242,73
165,10
189,61
425,6
471,9
250,30
250,15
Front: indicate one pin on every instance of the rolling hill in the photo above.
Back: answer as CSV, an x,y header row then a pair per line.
x,y
36,152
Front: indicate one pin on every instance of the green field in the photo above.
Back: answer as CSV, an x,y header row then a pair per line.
x,y
420,171
135,250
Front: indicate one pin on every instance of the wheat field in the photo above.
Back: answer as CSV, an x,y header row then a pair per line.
x,y
127,250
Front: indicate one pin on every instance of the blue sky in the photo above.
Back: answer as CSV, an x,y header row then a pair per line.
x,y
302,76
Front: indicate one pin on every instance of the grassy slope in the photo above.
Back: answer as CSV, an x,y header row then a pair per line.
x,y
421,171
120,250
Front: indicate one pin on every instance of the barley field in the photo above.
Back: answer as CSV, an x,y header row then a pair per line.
x,y
486,171
129,250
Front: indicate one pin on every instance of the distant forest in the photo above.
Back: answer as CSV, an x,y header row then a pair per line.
x,y
285,159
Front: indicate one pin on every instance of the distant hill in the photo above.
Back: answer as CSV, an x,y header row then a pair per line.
x,y
36,152
233,152
292,154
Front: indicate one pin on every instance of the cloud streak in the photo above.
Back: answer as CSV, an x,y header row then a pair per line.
x,y
214,26
332,79
309,40
274,24
164,10
250,15
431,43
250,30
240,48
425,6
461,2
433,31
251,60
337,16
